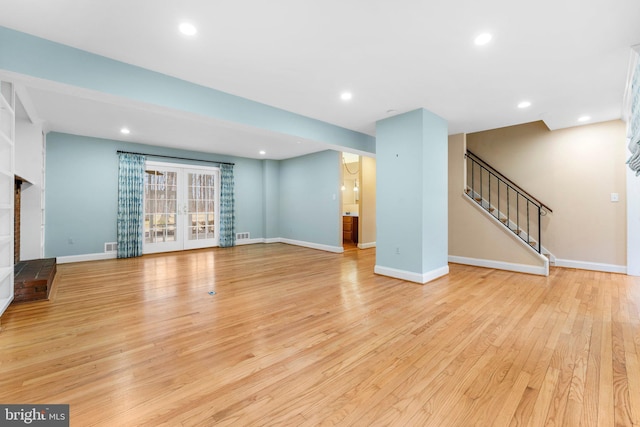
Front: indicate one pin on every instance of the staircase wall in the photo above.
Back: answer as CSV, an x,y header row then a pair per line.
x,y
474,238
574,171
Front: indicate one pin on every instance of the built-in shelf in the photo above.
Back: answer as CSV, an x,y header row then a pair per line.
x,y
4,105
5,138
4,272
7,153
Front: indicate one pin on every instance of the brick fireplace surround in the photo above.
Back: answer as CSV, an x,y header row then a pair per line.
x,y
33,279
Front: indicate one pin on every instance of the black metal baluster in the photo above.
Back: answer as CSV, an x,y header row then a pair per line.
x,y
518,214
473,178
481,188
539,232
528,229
489,207
508,208
498,199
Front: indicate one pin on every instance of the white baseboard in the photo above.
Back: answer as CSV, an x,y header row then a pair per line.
x,y
335,249
500,265
595,266
113,255
249,241
86,257
366,245
411,276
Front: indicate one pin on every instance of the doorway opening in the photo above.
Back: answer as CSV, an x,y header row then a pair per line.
x,y
351,188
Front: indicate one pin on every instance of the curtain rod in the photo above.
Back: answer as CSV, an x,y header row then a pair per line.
x,y
174,157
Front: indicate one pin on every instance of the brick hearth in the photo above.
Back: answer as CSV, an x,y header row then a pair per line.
x,y
33,279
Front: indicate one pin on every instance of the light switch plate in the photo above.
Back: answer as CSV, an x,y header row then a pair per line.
x,y
615,197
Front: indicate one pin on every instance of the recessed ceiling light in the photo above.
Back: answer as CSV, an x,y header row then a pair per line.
x,y
346,96
188,29
584,119
262,152
524,104
125,131
482,39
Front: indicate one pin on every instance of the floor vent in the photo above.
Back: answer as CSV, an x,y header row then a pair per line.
x,y
242,236
111,247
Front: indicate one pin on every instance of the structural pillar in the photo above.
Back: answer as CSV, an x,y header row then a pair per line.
x,y
411,191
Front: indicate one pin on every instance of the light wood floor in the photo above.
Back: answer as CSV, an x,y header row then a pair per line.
x,y
295,336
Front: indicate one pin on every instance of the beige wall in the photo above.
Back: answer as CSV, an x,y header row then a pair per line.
x,y
573,171
367,223
472,234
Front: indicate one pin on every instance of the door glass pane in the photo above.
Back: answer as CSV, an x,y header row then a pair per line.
x,y
200,205
161,207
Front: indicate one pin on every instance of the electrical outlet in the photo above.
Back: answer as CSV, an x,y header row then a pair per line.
x,y
615,197
397,250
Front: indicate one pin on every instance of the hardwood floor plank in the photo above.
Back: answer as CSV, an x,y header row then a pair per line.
x,y
606,408
295,336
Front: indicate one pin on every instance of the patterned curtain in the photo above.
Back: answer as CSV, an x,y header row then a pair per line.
x,y
227,215
634,121
130,205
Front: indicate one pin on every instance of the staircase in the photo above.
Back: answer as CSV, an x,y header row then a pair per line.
x,y
512,206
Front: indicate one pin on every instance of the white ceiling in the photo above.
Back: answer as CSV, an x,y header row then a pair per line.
x,y
569,58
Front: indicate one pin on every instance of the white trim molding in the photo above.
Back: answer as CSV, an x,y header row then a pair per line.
x,y
86,257
249,241
410,275
335,249
366,245
594,266
113,255
501,265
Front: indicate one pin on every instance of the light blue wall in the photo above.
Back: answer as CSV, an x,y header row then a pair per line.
x,y
290,198
435,192
33,56
271,198
309,199
82,190
411,192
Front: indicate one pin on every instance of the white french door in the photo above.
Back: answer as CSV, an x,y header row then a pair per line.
x,y
181,207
